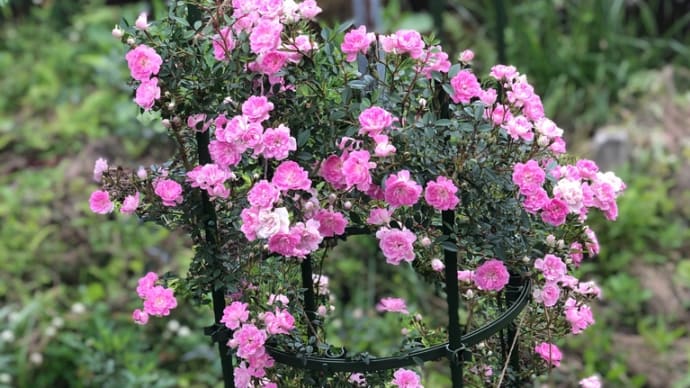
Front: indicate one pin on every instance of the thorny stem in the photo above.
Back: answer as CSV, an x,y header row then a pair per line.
x,y
510,352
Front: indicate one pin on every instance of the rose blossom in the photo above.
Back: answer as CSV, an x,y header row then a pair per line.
x,y
356,41
492,275
256,108
130,204
99,168
437,265
396,244
434,59
309,9
140,317
379,216
392,305
146,283
551,266
528,176
263,194
332,171
169,191
331,223
248,340
373,120
284,243
405,378
280,322
272,221
550,353
555,212
465,275
273,298
465,87
143,62
467,56
223,44
142,22
356,170
159,301
147,93
549,294
269,62
441,194
591,382
309,238
291,176
403,42
100,203
401,190
580,317
265,36
277,143
234,315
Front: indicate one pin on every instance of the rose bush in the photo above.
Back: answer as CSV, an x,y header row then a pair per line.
x,y
290,136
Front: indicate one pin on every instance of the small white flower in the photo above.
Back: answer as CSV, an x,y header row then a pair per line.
x,y
78,308
173,325
7,336
5,378
36,358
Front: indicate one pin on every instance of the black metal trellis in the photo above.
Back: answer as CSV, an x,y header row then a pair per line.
x,y
517,294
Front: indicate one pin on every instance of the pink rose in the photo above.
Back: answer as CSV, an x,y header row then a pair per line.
x,y
441,194
332,171
492,275
159,301
277,143
405,378
223,44
373,120
256,108
401,190
265,36
143,62
550,353
140,317
234,315
396,244
100,203
394,305
147,93
356,170
356,41
169,191
130,204
465,87
555,212
291,176
331,223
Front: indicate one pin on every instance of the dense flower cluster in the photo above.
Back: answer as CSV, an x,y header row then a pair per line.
x,y
158,300
304,149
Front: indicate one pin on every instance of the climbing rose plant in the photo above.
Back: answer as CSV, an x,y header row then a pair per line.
x,y
308,134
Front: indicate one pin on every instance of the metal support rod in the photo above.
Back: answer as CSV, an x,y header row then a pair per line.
x,y
309,301
501,21
209,220
208,216
455,348
512,293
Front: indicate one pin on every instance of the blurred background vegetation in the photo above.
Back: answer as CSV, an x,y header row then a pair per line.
x,y
606,70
